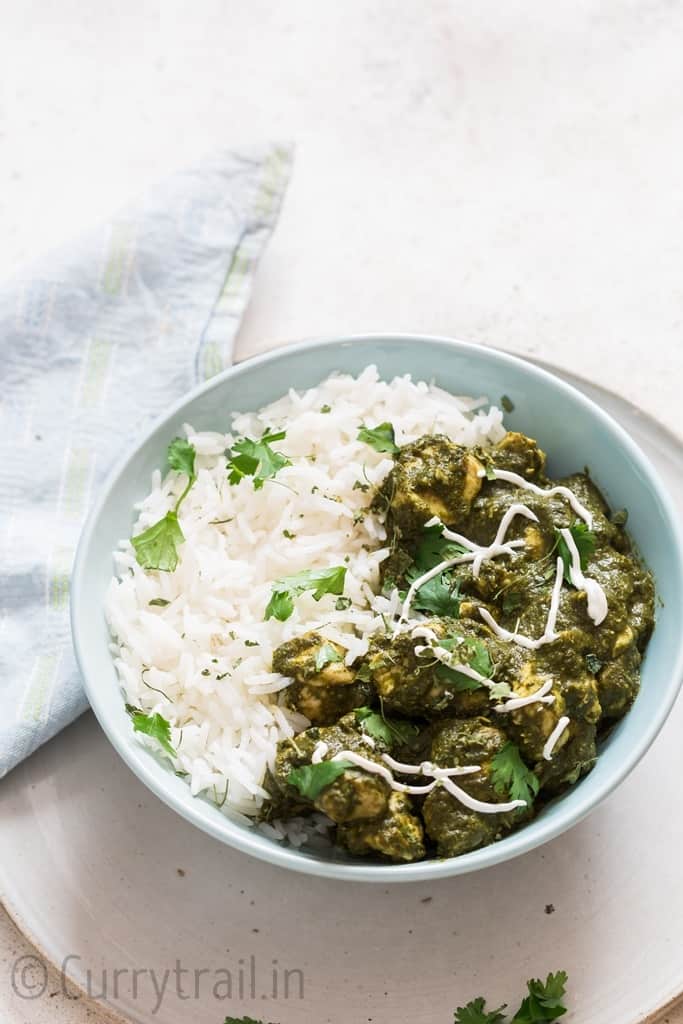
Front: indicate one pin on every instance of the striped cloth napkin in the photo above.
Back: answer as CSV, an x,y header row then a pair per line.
x,y
95,343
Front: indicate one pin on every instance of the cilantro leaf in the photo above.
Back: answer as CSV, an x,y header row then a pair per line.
x,y
387,730
545,1001
157,546
342,603
158,602
507,403
311,779
381,438
510,776
458,680
433,548
256,459
326,655
585,545
474,653
154,725
593,663
320,581
181,455
476,1013
437,595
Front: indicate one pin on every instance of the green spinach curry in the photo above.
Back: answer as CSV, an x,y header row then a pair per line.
x,y
522,613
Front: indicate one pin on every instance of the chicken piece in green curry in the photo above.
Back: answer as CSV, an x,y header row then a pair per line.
x,y
521,616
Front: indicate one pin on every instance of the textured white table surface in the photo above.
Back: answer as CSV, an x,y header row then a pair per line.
x,y
505,173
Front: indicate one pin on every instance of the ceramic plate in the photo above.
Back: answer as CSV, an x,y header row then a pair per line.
x,y
94,868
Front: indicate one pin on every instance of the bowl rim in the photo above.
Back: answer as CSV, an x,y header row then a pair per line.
x,y
154,775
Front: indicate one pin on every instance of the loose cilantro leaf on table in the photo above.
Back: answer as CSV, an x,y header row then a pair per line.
x,y
320,581
326,655
387,730
545,1001
311,779
154,725
585,545
476,1013
256,459
157,546
381,438
510,776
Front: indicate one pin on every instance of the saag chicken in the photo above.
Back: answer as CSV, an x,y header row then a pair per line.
x,y
522,614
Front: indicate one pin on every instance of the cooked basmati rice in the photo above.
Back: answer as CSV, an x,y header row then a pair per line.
x,y
203,661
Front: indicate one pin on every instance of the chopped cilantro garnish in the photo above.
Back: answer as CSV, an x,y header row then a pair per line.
x,y
381,438
311,779
342,603
157,546
158,602
438,595
585,545
288,535
320,581
154,725
593,663
327,655
507,404
510,776
472,652
387,730
256,459
619,517
326,408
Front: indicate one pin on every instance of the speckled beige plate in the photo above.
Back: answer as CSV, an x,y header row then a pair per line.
x,y
93,867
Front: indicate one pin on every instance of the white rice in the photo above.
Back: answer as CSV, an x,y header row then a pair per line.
x,y
226,730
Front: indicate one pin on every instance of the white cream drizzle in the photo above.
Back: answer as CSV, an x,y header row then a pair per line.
x,y
551,742
439,776
476,554
514,478
540,696
549,634
596,600
446,658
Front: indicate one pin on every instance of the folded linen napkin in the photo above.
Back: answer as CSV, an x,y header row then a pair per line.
x,y
97,341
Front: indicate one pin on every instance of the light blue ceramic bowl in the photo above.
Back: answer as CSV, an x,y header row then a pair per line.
x,y
569,426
